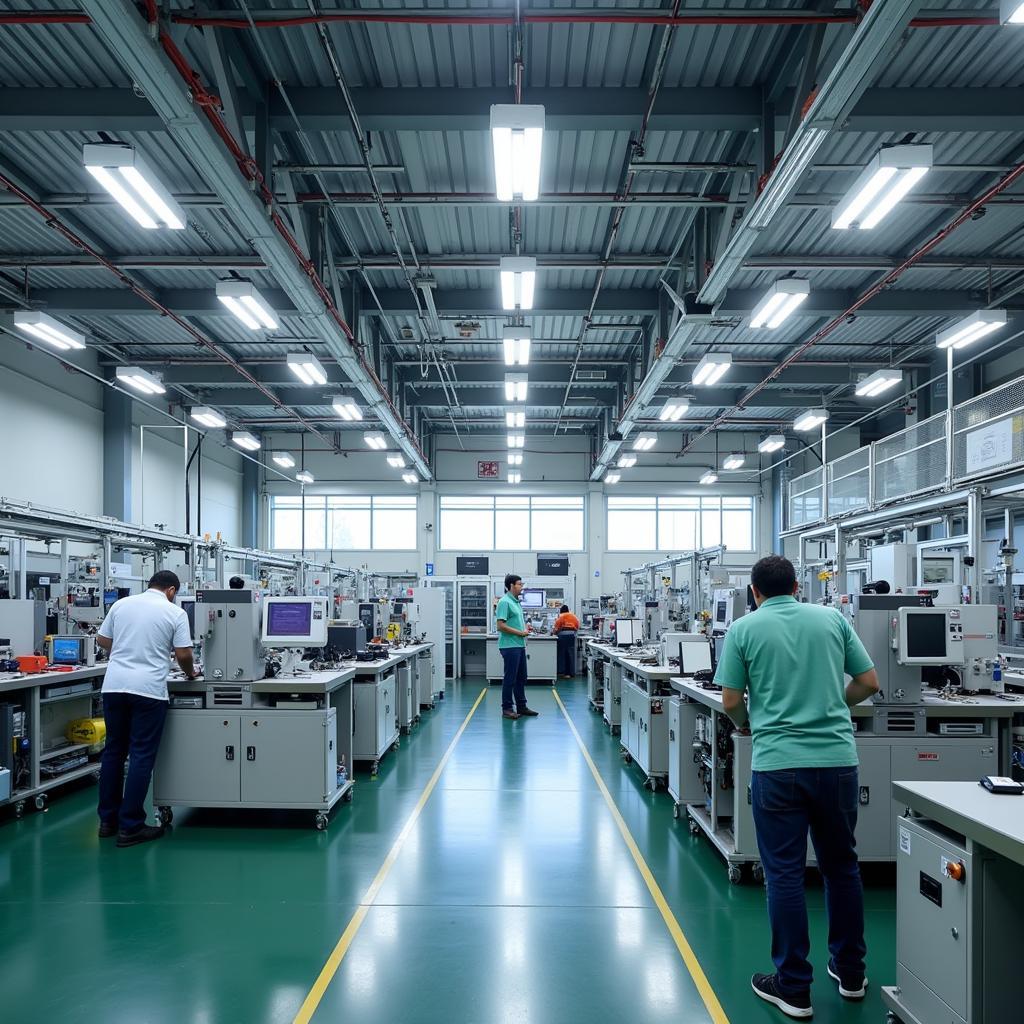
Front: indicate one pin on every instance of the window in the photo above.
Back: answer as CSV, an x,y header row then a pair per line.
x,y
684,523
511,523
343,523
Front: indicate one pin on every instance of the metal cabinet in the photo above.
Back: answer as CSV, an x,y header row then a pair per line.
x,y
684,784
612,710
376,719
197,764
424,688
406,710
541,661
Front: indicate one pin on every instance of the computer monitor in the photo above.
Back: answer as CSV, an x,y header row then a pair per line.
x,y
188,606
938,567
532,599
930,636
295,621
628,632
68,650
694,657
721,611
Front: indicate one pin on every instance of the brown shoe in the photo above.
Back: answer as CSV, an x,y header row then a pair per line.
x,y
509,714
528,713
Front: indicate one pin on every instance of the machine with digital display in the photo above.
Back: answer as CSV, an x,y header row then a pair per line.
x,y
71,650
295,622
532,599
930,636
938,567
187,603
628,632
694,656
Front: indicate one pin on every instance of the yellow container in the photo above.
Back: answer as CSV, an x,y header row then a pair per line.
x,y
87,730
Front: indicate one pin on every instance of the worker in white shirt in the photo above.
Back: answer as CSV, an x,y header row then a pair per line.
x,y
139,634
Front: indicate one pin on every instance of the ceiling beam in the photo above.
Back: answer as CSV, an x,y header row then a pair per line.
x,y
568,109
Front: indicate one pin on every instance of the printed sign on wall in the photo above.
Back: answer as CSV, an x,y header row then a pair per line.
x,y
990,446
487,470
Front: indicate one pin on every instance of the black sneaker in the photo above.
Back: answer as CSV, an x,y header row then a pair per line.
x,y
528,713
106,831
850,988
767,987
144,835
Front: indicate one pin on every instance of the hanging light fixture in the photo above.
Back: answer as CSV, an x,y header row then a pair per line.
x,y
971,329
1011,12
516,440
396,461
305,477
888,177
674,411
626,461
514,476
245,301
515,458
518,281
612,477
734,461
411,478
140,379
347,409
810,419
645,442
712,368
516,341
515,387
284,460
515,419
376,441
208,417
878,382
517,137
244,439
772,443
45,328
709,477
132,183
307,368
780,302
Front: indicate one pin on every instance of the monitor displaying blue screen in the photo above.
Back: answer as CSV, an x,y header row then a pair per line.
x,y
532,599
290,619
66,650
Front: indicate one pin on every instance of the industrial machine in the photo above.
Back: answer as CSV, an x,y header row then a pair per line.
x,y
23,624
628,632
229,622
71,650
342,637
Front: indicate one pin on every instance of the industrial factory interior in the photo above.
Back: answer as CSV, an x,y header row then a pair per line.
x,y
509,511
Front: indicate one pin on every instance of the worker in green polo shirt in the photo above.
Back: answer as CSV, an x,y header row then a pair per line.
x,y
792,659
512,633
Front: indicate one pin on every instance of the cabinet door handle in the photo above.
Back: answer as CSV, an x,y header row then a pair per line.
x,y
229,753
250,753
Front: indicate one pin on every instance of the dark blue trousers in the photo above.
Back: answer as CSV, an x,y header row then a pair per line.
x,y
134,727
787,804
513,685
566,652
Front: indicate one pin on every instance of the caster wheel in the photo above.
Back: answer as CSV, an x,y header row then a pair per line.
x,y
675,811
19,809
165,814
320,821
398,743
757,873
375,771
735,874
348,796
650,784
694,828
40,802
627,758
95,776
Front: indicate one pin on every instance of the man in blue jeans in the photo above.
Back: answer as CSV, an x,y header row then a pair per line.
x,y
792,659
512,633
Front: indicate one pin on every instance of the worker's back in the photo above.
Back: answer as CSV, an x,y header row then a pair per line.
x,y
792,659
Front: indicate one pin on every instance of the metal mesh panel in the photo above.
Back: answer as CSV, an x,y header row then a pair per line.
x,y
849,482
912,461
805,498
988,432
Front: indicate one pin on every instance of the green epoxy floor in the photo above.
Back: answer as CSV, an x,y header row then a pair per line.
x,y
514,899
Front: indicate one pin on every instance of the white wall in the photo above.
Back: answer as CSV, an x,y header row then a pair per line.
x,y
552,466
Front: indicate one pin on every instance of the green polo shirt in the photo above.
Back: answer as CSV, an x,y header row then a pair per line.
x,y
511,611
791,659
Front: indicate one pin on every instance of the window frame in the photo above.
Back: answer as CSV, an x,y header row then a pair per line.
x,y
494,504
322,502
718,503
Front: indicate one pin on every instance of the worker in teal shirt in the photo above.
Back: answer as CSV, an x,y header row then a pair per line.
x,y
512,635
792,659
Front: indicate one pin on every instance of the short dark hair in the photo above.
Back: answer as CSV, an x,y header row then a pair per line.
x,y
236,583
563,609
164,580
773,576
510,579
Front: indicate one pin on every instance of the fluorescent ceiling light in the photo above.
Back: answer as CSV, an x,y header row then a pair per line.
x,y
140,379
712,368
518,281
245,301
514,476
779,302
879,381
515,387
645,442
283,459
396,461
131,181
347,409
376,441
733,461
626,461
810,419
516,440
888,177
208,417
307,368
709,477
515,458
305,477
1011,12
772,443
515,419
250,442
45,328
411,478
517,136
674,411
971,328
612,478
517,345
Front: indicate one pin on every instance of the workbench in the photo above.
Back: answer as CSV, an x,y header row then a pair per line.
x,y
541,659
645,692
714,790
959,904
46,718
246,747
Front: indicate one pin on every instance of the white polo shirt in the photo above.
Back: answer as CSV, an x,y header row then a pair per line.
x,y
145,628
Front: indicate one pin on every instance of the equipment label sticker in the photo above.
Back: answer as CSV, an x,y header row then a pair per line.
x,y
904,841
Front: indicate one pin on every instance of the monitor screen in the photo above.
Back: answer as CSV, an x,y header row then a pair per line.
x,y
627,632
532,599
66,650
937,570
694,656
291,619
188,606
926,636
720,610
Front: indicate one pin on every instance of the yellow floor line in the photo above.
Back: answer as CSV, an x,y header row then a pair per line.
x,y
330,968
707,993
